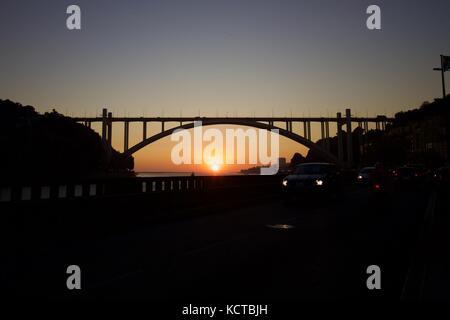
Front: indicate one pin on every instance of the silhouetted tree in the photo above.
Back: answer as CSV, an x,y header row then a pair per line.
x,y
51,145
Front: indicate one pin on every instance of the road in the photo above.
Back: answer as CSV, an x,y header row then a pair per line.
x,y
263,248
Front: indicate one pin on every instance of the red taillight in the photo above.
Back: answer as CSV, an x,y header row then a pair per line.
x,y
377,186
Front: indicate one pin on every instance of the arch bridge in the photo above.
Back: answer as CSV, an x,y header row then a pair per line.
x,y
266,123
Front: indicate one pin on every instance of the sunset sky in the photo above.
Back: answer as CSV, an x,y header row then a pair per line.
x,y
244,58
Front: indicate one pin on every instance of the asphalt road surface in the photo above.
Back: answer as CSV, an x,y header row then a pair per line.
x,y
265,248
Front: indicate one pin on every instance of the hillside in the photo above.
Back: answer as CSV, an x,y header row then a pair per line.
x,y
51,145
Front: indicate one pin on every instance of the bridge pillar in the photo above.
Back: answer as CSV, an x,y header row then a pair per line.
x,y
322,130
126,135
339,137
144,130
289,126
162,126
109,129
309,130
348,118
305,130
327,135
360,140
327,129
366,140
109,137
104,125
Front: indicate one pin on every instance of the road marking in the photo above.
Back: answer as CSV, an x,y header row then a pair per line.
x,y
280,226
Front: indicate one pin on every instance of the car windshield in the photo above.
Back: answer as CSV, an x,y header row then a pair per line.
x,y
367,170
314,169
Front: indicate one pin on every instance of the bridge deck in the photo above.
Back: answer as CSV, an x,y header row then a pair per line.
x,y
262,119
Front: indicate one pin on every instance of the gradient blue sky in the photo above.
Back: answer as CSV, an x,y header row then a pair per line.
x,y
230,56
222,57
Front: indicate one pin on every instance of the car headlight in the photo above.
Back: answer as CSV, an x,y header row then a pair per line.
x,y
285,183
360,177
319,182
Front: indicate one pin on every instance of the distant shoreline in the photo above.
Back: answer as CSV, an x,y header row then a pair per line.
x,y
146,174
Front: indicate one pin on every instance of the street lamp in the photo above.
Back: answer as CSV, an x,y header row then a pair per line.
x,y
442,69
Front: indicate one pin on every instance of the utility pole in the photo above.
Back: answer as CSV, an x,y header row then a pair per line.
x,y
442,69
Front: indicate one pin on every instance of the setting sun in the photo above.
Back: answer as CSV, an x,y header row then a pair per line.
x,y
215,167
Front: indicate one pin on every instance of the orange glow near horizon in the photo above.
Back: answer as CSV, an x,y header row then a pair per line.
x,y
156,157
215,167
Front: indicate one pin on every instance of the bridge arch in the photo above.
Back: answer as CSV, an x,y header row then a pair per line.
x,y
247,123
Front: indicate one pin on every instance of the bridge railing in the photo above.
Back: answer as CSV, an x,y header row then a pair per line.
x,y
116,187
96,188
